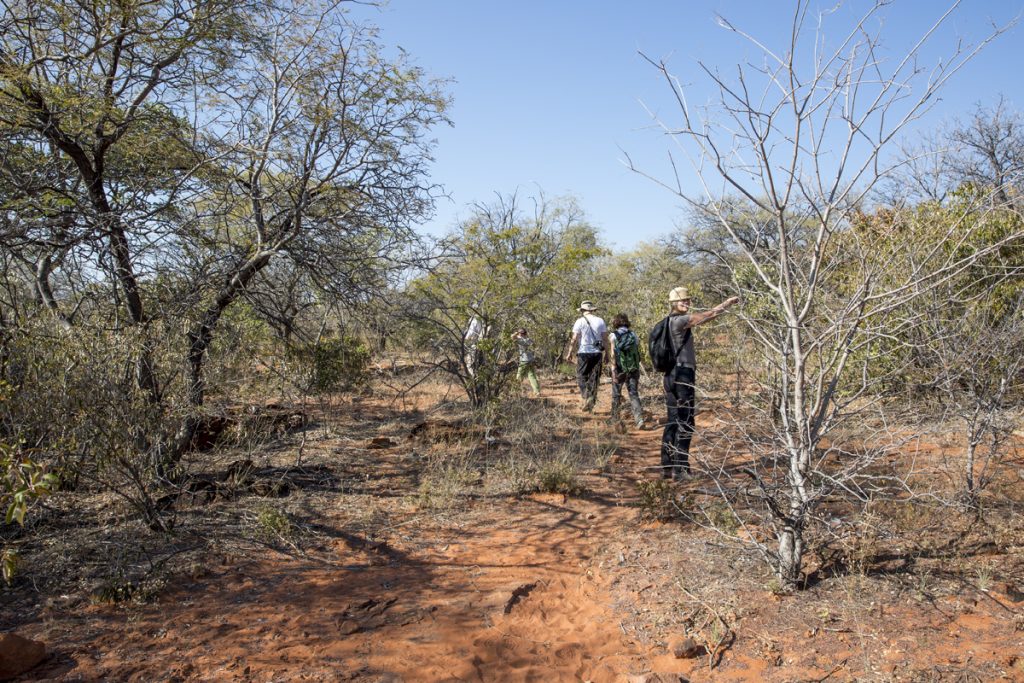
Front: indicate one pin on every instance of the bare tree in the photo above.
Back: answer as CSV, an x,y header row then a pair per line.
x,y
801,139
985,151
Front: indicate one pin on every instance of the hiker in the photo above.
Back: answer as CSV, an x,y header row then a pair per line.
x,y
474,333
679,381
527,359
588,334
624,349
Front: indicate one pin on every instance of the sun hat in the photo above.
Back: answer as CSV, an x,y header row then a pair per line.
x,y
587,306
678,294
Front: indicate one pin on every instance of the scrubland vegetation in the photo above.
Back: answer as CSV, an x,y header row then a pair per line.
x,y
209,259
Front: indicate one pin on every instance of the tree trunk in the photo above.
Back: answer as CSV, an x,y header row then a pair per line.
x,y
200,337
791,553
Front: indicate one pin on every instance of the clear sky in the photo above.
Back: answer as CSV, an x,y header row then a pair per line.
x,y
547,93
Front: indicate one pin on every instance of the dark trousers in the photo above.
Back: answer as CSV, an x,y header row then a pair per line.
x,y
632,382
675,440
588,372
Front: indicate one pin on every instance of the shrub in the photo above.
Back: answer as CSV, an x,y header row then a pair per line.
x,y
117,589
273,524
558,476
722,518
333,364
657,500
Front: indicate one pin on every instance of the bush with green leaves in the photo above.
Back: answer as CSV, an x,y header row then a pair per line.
x,y
505,269
333,364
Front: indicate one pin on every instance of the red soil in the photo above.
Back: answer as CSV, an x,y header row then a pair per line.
x,y
542,588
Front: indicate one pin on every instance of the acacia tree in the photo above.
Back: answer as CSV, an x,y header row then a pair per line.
x,y
157,155
966,350
801,140
508,268
325,164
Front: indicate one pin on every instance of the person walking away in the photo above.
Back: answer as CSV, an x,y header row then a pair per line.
x,y
679,381
474,333
624,348
588,335
527,360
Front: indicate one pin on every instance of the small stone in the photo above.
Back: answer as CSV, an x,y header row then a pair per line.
x,y
18,655
685,648
380,442
1009,590
347,627
658,678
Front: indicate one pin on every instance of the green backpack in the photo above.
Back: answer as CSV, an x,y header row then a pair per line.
x,y
627,352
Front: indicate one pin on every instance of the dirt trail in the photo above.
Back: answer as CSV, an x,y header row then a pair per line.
x,y
512,590
539,588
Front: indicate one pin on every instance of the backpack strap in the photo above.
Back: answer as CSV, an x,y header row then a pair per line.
x,y
600,342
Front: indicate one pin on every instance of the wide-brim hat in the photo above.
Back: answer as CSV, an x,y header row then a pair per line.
x,y
588,306
678,294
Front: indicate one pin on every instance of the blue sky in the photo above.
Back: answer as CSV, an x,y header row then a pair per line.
x,y
547,94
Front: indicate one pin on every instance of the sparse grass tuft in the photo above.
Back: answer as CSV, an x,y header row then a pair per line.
x,y
558,476
10,562
445,483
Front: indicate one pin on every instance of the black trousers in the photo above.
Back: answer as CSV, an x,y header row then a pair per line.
x,y
588,373
679,400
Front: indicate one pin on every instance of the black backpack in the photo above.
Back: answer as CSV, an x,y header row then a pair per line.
x,y
659,344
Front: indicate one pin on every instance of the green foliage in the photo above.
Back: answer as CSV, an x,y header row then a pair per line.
x,y
508,270
637,283
10,562
117,588
993,237
57,380
657,499
273,524
958,316
333,364
21,482
721,517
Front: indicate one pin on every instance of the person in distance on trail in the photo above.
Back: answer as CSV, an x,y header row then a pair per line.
x,y
527,359
588,334
474,333
679,382
624,361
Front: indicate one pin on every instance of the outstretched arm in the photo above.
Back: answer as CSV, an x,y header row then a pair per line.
x,y
701,318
